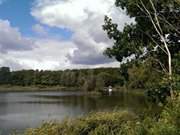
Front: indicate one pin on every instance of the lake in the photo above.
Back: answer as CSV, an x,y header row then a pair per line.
x,y
21,110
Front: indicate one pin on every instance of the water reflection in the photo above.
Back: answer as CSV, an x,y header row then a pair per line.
x,y
24,110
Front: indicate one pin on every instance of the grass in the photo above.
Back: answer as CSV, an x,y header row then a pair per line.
x,y
116,123
94,124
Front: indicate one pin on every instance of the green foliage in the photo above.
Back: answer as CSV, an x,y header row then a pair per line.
x,y
169,121
5,75
159,93
100,82
176,70
144,75
140,36
90,82
142,41
176,83
94,124
87,79
117,123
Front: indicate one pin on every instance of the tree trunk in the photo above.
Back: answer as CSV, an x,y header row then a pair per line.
x,y
169,57
169,65
157,26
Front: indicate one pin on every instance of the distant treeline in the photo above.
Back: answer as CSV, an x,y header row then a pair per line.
x,y
136,75
88,79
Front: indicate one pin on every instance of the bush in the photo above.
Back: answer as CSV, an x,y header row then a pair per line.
x,y
158,94
94,124
117,123
169,121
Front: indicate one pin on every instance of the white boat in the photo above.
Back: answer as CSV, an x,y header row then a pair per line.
x,y
110,89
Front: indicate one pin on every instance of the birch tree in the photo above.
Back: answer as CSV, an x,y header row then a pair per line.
x,y
155,33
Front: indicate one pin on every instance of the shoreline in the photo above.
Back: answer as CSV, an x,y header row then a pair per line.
x,y
36,88
40,88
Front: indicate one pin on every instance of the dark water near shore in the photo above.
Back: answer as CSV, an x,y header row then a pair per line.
x,y
20,110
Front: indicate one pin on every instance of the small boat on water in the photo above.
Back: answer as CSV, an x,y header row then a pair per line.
x,y
110,89
107,90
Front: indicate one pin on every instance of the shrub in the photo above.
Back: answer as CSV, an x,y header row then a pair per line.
x,y
117,123
94,124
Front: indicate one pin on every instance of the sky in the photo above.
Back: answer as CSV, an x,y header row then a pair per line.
x,y
56,34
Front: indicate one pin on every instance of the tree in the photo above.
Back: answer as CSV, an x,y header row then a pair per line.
x,y
100,81
90,81
80,79
28,76
5,75
155,33
143,75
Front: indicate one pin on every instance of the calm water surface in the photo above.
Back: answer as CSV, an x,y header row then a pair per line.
x,y
20,110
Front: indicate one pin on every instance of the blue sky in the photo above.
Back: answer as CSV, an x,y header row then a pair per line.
x,y
18,13
56,34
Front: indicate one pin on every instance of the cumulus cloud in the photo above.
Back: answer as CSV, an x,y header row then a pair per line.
x,y
83,50
50,54
88,51
14,65
39,29
18,52
85,18
11,38
69,13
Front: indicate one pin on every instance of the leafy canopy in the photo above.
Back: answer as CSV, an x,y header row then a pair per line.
x,y
140,38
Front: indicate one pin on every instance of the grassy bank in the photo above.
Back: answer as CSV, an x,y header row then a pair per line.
x,y
117,123
10,88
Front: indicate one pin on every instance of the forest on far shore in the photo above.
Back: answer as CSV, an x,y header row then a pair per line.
x,y
133,75
87,79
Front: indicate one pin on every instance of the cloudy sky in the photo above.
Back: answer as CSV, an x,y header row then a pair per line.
x,y
56,34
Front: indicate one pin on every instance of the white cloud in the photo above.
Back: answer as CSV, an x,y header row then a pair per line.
x,y
69,13
84,50
18,52
11,39
85,18
11,62
49,54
